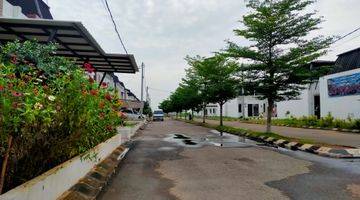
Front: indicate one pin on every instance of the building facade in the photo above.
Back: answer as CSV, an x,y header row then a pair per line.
x,y
24,9
242,106
337,93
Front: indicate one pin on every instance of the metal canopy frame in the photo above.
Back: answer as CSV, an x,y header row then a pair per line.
x,y
73,39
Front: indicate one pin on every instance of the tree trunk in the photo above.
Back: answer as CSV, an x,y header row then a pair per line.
x,y
4,164
269,115
221,114
204,108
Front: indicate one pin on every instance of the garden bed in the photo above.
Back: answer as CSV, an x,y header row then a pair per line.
x,y
51,184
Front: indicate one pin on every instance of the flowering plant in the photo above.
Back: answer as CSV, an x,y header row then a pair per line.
x,y
50,109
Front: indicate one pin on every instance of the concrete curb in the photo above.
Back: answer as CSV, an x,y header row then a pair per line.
x,y
90,186
319,150
310,148
311,127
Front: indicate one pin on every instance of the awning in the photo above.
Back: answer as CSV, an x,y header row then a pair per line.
x,y
74,41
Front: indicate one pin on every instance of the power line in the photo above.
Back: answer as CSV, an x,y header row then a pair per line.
x,y
159,90
344,36
336,46
115,26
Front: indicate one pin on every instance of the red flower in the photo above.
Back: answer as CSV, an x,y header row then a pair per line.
x,y
89,68
10,85
102,115
1,88
101,105
121,114
104,85
91,80
36,91
14,105
16,94
11,76
94,92
13,59
109,128
108,96
45,87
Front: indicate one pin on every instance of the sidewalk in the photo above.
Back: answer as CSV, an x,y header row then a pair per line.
x,y
320,136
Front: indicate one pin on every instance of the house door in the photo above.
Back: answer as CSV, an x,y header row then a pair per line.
x,y
317,106
250,110
256,109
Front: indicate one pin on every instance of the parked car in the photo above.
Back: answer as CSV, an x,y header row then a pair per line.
x,y
131,115
158,115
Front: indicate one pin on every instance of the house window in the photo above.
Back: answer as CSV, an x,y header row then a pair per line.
x,y
214,111
264,110
240,108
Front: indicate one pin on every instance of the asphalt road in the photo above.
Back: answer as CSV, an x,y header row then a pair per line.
x,y
161,165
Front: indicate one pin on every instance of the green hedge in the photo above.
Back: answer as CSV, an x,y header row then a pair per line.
x,y
50,109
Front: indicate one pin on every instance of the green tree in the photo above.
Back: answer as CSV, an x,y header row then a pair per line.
x,y
197,75
217,75
166,106
280,49
147,109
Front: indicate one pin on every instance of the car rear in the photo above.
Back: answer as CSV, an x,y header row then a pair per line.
x,y
158,115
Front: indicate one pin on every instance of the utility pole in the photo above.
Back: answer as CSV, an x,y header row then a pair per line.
x,y
142,88
148,95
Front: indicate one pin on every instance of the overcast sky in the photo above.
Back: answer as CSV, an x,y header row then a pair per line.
x,y
161,33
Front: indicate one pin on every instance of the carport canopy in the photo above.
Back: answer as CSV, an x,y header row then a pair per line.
x,y
73,39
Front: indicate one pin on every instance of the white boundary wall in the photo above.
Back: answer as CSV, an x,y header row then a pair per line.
x,y
339,107
56,181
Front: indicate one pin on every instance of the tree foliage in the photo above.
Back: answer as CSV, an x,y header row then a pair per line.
x,y
208,80
281,49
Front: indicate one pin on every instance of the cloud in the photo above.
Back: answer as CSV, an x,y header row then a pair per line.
x,y
161,33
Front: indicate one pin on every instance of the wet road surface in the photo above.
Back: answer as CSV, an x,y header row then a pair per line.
x,y
175,160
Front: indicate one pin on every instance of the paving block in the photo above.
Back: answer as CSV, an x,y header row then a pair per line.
x,y
93,182
306,147
292,145
85,190
354,152
270,139
340,153
323,150
280,142
72,195
263,137
104,172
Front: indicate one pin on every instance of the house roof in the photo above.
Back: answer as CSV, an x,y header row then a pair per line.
x,y
348,60
73,39
30,7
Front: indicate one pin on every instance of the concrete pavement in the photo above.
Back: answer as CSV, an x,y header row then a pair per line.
x,y
157,168
320,136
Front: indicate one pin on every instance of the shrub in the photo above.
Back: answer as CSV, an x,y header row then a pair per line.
x,y
50,109
327,121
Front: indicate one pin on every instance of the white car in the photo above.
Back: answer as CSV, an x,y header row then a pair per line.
x,y
131,115
158,115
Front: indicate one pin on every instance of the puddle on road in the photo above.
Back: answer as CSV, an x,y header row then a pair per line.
x,y
189,142
181,136
213,139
